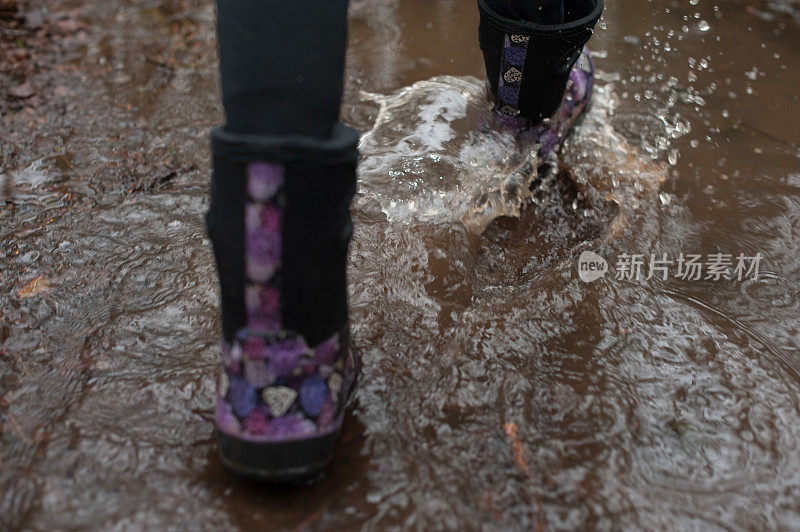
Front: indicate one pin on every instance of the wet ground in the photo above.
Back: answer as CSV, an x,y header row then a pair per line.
x,y
499,390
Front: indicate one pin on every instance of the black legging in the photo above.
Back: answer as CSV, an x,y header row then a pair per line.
x,y
282,61
282,64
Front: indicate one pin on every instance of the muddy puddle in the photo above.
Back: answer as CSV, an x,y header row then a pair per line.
x,y
499,390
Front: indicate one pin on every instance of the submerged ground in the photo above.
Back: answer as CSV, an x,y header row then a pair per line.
x,y
499,390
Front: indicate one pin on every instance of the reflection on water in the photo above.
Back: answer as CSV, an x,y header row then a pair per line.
x,y
499,390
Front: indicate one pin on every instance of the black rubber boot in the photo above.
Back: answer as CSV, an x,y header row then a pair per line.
x,y
280,226
528,64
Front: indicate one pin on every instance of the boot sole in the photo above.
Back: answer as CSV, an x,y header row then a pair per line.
x,y
293,461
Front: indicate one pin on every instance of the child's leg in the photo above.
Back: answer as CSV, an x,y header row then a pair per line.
x,y
282,65
284,174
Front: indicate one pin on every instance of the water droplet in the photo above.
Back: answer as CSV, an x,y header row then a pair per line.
x,y
672,158
703,26
632,40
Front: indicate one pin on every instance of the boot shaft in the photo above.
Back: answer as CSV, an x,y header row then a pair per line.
x,y
528,64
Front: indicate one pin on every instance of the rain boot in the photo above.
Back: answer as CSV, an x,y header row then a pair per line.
x,y
280,226
536,81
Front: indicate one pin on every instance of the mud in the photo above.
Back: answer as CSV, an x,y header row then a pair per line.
x,y
499,390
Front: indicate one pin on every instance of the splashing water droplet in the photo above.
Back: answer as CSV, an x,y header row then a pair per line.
x,y
672,158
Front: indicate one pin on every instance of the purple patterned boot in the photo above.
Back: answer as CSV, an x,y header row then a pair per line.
x,y
280,232
539,76
550,134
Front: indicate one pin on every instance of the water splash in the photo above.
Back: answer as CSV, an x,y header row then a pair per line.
x,y
436,155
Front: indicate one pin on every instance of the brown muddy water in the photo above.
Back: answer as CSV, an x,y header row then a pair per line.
x,y
499,390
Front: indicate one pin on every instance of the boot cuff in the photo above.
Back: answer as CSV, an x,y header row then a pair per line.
x,y
340,148
584,15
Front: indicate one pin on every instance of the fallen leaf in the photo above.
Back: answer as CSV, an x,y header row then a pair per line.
x,y
35,286
23,91
519,450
